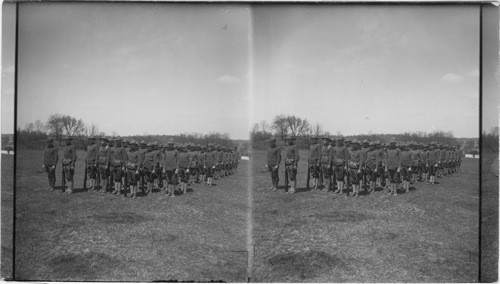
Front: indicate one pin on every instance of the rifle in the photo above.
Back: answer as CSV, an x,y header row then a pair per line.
x,y
85,177
308,174
286,178
63,182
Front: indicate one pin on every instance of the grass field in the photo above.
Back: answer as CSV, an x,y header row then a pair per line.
x,y
427,235
90,236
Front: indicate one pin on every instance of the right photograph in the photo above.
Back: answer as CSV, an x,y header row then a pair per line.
x,y
365,143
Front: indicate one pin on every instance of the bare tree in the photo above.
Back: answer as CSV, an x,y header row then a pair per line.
x,y
297,125
55,126
91,130
72,126
264,126
280,126
39,126
29,127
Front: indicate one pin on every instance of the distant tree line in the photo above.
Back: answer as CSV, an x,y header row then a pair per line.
x,y
285,125
490,140
57,126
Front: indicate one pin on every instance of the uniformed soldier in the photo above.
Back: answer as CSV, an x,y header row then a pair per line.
x,y
202,169
364,148
142,150
423,162
110,147
170,165
348,146
405,168
415,158
432,162
117,164
291,162
193,163
124,172
218,161
133,164
238,157
326,165
441,157
103,158
448,160
340,157
380,158
224,162
210,164
149,167
183,170
273,162
393,167
314,160
371,167
157,172
68,163
91,161
355,164
50,159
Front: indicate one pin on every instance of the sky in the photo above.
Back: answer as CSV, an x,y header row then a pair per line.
x,y
182,68
360,69
135,68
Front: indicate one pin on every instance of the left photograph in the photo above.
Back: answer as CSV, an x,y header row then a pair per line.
x,y
131,124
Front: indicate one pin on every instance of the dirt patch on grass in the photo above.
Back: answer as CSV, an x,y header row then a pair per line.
x,y
119,218
341,216
305,265
82,266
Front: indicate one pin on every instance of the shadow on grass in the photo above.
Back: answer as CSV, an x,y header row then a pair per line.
x,y
82,266
305,265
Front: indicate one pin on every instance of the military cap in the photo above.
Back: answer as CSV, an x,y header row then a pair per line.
x,y
326,138
92,137
355,141
170,143
272,140
133,142
204,147
393,141
125,141
377,142
149,144
155,143
67,138
315,137
48,140
143,142
366,142
289,138
372,144
347,140
118,138
103,139
340,139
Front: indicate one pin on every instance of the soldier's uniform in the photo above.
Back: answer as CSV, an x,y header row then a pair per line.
x,y
355,164
326,164
291,162
117,164
142,150
170,163
133,164
149,167
91,161
406,164
371,166
193,164
218,160
365,148
50,159
273,162
202,169
380,172
340,156
210,163
103,158
423,162
432,161
314,161
184,158
68,163
393,165
415,157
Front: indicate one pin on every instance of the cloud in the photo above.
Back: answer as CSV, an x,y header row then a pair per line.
x,y
226,79
474,73
450,77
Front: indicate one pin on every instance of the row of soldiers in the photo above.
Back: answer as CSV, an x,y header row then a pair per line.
x,y
126,166
354,164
